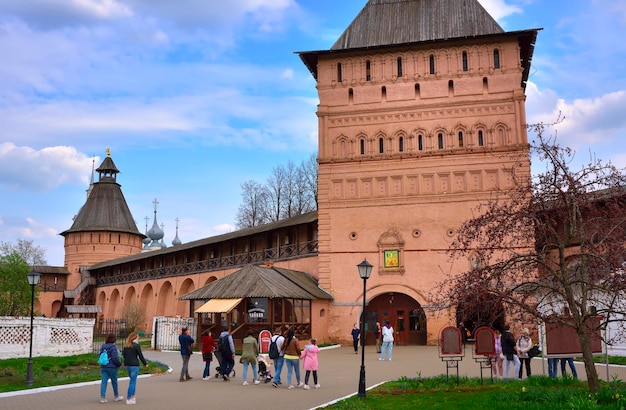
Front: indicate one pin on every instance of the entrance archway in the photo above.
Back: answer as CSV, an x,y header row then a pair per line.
x,y
403,312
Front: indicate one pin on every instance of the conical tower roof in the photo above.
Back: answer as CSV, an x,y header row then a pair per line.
x,y
106,208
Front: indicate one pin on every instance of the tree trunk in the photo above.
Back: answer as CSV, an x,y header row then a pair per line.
x,y
584,335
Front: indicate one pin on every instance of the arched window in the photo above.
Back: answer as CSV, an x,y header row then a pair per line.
x,y
420,142
401,144
465,61
496,58
368,71
399,67
440,141
432,64
460,139
381,145
362,146
339,73
481,140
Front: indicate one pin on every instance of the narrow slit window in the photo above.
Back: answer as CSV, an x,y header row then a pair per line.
x,y
381,145
496,58
339,73
440,141
432,64
399,67
465,68
481,141
420,142
401,144
460,139
362,146
368,71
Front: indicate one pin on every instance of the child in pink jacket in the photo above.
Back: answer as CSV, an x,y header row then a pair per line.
x,y
309,356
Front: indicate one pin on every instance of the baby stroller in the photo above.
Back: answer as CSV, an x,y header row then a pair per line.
x,y
219,373
265,374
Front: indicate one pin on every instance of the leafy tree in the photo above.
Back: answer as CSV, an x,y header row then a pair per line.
x,y
15,292
549,245
32,254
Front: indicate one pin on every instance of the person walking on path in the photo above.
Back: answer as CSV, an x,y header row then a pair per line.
x,y
524,343
552,366
280,361
186,341
570,361
208,345
109,370
356,334
387,341
378,335
310,363
509,349
496,361
248,357
292,357
132,355
227,350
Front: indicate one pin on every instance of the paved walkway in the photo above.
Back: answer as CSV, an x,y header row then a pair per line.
x,y
338,373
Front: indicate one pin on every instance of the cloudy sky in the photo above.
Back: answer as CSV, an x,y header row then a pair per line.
x,y
195,97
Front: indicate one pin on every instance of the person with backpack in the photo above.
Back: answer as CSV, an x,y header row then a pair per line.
x,y
226,347
277,355
109,370
186,341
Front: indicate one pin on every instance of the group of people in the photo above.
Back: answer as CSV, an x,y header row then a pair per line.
x,y
510,351
131,355
382,334
289,354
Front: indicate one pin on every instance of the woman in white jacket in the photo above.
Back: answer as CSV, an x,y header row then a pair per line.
x,y
387,341
524,343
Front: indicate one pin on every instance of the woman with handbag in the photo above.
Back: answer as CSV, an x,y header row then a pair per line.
x,y
208,345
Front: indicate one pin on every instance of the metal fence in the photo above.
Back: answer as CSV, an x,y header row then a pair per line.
x,y
165,331
103,327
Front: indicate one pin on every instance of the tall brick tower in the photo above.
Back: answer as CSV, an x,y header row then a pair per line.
x,y
421,117
104,228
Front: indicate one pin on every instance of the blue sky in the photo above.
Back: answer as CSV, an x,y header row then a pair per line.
x,y
196,97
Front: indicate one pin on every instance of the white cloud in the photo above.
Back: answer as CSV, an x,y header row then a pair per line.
x,y
499,8
26,169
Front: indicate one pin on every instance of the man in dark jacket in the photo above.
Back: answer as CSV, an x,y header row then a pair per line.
x,y
186,341
509,351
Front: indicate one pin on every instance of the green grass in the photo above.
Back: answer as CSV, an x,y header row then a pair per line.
x,y
537,392
53,371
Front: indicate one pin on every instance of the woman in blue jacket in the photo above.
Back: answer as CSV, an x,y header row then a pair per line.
x,y
109,371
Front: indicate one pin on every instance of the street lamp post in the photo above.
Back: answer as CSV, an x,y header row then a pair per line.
x,y
365,269
33,280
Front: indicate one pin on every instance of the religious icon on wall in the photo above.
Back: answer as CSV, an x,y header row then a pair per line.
x,y
391,259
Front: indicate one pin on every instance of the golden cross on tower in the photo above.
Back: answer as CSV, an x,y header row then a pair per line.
x,y
108,151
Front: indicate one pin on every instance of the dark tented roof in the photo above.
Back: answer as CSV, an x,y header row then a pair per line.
x,y
261,282
105,210
390,22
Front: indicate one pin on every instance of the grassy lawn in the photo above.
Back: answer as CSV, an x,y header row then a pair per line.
x,y
53,371
537,392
